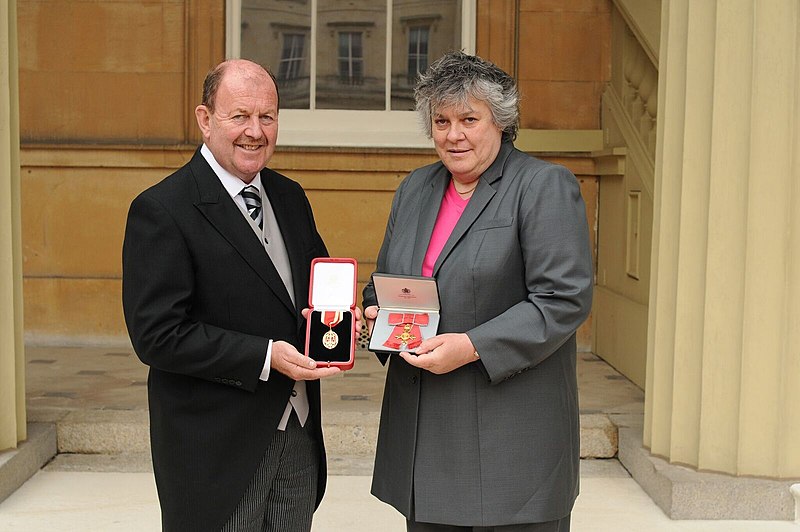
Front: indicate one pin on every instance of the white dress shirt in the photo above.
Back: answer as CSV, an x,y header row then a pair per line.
x,y
272,240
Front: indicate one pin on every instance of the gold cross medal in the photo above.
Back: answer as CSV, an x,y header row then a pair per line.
x,y
405,337
330,339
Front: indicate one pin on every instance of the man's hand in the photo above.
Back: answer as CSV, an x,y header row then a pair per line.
x,y
443,353
289,361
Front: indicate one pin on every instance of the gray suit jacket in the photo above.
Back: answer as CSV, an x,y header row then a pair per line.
x,y
494,442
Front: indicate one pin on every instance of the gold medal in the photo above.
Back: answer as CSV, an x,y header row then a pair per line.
x,y
406,333
330,339
405,337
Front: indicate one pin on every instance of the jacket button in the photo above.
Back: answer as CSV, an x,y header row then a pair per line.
x,y
294,393
414,379
238,383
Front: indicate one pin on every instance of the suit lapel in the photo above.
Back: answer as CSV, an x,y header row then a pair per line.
x,y
484,192
286,209
429,210
221,212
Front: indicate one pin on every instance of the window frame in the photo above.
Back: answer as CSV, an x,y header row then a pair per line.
x,y
348,128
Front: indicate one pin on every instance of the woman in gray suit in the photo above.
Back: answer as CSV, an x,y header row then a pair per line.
x,y
479,426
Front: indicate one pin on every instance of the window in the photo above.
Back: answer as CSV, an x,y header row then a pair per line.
x,y
351,58
291,57
346,70
417,52
292,70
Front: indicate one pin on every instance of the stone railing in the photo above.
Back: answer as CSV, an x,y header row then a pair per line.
x,y
639,92
630,101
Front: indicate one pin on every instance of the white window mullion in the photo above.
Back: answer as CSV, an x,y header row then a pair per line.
x,y
388,76
468,25
312,91
233,35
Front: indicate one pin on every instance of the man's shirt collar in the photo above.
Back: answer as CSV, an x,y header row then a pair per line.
x,y
232,184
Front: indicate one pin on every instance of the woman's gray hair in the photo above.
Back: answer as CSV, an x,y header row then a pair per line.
x,y
455,77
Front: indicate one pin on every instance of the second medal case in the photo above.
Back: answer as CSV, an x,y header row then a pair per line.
x,y
330,328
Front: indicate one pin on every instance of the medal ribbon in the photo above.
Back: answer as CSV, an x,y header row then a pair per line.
x,y
332,318
406,330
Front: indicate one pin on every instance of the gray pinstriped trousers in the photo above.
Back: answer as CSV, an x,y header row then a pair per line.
x,y
281,496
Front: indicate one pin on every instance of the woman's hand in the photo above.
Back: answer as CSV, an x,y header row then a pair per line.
x,y
370,313
357,315
442,353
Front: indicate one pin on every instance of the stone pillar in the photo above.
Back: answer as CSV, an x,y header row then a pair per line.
x,y
12,353
723,353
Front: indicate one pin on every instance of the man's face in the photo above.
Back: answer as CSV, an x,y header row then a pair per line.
x,y
466,139
243,127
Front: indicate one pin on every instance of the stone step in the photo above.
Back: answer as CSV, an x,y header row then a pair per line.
x,y
350,438
20,464
96,400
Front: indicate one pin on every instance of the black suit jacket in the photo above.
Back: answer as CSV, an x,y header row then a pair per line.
x,y
201,300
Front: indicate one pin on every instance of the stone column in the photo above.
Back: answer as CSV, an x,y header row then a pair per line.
x,y
723,353
12,353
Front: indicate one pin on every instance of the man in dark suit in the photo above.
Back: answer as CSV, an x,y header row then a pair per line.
x,y
216,264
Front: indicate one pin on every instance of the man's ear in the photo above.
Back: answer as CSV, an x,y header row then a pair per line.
x,y
203,116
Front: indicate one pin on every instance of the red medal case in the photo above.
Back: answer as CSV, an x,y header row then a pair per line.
x,y
330,328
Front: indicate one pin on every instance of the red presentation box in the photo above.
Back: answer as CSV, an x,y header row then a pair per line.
x,y
330,328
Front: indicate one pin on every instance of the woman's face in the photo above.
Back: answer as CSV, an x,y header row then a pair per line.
x,y
466,139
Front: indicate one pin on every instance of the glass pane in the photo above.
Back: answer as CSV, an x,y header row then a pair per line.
x,y
351,54
421,33
277,34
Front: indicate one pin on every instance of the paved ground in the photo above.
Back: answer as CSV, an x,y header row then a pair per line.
x,y
76,497
75,378
610,501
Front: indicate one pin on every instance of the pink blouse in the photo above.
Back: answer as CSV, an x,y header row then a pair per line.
x,y
449,212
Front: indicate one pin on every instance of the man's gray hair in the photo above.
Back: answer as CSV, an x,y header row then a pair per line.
x,y
455,77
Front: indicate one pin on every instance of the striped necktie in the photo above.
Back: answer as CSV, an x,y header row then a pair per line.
x,y
252,200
